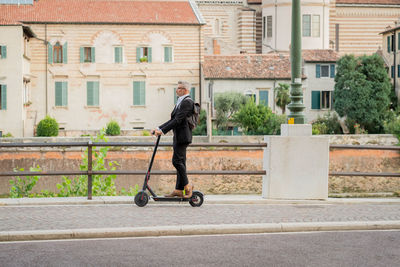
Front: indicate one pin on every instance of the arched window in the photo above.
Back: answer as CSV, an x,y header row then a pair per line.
x,y
57,53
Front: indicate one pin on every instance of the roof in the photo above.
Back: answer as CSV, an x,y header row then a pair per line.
x,y
246,66
254,2
100,11
369,2
390,29
260,66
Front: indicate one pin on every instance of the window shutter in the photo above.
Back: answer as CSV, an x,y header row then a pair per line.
x,y
65,53
4,52
264,98
142,94
193,93
149,58
93,54
398,71
90,93
318,71
3,97
175,97
315,100
388,44
392,71
118,54
65,94
332,100
398,41
82,53
137,54
58,93
50,53
332,70
167,54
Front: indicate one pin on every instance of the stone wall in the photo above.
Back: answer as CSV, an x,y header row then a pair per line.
x,y
52,159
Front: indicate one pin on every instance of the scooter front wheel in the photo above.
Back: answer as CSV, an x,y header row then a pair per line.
x,y
197,199
141,199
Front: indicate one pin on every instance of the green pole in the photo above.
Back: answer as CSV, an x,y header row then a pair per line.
x,y
296,106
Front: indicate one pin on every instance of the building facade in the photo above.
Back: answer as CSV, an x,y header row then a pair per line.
x,y
86,70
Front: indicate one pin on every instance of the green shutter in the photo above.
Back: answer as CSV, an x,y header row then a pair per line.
x,y
3,97
93,55
118,54
193,93
149,58
175,97
136,93
332,70
4,52
65,53
398,41
65,94
318,71
315,100
167,54
50,53
392,72
137,54
96,89
90,93
398,71
142,93
264,98
58,93
388,44
332,100
82,53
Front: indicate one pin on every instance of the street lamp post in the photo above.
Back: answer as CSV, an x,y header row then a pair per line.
x,y
296,106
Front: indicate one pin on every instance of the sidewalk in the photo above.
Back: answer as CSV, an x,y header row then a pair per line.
x,y
63,218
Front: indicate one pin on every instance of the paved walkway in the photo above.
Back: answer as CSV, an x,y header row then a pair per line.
x,y
27,219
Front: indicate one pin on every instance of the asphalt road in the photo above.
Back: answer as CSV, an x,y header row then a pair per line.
x,y
349,248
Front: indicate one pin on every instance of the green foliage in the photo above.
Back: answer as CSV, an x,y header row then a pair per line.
x,y
362,91
7,135
282,96
327,124
22,187
132,191
392,125
103,185
201,128
146,133
47,127
113,128
258,119
226,104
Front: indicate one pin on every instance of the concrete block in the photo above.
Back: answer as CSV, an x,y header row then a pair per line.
x,y
297,167
296,130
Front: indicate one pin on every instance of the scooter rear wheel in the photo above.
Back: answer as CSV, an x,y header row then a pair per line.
x,y
141,199
197,199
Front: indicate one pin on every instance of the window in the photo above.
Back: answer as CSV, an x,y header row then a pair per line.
x,y
87,55
389,43
325,71
61,94
392,72
192,94
306,25
315,26
92,93
269,26
57,53
167,54
264,27
263,96
3,97
143,54
118,54
139,93
3,51
398,71
321,99
398,41
251,95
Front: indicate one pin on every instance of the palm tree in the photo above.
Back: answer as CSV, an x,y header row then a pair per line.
x,y
282,96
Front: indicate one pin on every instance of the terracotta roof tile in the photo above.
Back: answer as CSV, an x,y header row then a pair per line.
x,y
379,2
260,66
254,1
100,11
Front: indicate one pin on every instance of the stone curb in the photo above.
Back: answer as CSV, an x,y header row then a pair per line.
x,y
197,230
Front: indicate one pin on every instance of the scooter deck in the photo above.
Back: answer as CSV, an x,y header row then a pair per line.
x,y
177,199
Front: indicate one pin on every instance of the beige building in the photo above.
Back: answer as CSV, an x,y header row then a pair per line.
x,y
120,64
390,54
355,24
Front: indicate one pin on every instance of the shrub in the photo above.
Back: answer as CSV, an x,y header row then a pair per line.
x,y
8,135
146,133
201,128
47,127
319,128
393,126
113,128
22,187
328,124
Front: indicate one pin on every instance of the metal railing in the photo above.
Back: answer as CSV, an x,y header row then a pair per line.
x,y
90,172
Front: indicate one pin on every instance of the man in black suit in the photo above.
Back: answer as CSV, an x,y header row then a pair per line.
x,y
182,138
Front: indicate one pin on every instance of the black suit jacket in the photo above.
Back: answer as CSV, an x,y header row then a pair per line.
x,y
178,122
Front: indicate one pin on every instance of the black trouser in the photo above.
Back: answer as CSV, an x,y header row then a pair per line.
x,y
179,162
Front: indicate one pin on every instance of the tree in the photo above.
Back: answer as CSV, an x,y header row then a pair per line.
x,y
226,104
362,91
282,96
258,119
201,128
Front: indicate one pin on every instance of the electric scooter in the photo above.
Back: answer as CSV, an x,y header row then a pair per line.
x,y
142,198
